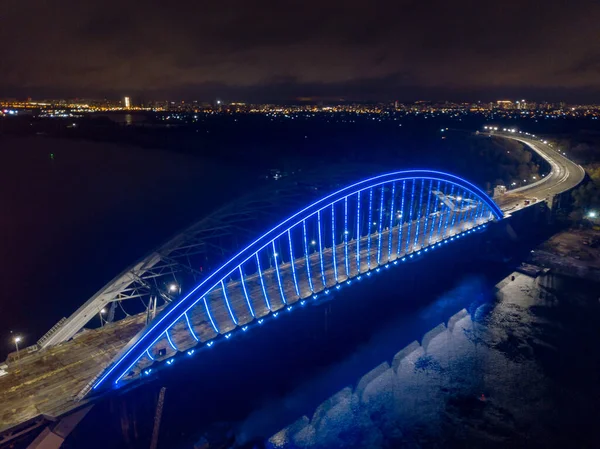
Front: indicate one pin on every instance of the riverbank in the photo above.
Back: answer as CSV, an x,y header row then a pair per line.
x,y
574,252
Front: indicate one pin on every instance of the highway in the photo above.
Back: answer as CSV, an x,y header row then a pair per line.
x,y
564,175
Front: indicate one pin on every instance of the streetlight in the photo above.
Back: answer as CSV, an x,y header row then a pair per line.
x,y
102,312
592,214
173,287
17,339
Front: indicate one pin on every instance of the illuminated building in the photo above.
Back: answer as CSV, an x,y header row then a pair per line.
x,y
127,102
505,104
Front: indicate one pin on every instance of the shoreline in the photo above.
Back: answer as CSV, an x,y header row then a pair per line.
x,y
573,252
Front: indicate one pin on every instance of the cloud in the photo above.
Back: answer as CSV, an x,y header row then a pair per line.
x,y
81,48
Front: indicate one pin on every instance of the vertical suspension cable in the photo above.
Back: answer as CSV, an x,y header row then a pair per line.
x,y
418,226
358,231
262,282
321,248
333,246
443,208
435,210
450,212
275,254
231,314
472,209
410,214
380,225
458,206
189,325
307,257
370,215
463,212
346,261
293,263
392,214
401,224
246,292
170,341
427,209
210,316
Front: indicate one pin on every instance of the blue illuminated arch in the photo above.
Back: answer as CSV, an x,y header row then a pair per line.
x,y
139,346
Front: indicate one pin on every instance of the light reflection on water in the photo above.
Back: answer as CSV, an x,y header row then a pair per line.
x,y
484,373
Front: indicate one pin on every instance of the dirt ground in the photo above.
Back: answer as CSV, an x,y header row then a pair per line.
x,y
573,252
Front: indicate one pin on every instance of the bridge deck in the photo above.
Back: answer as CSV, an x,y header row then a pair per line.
x,y
48,381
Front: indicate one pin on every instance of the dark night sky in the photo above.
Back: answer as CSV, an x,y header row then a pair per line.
x,y
277,50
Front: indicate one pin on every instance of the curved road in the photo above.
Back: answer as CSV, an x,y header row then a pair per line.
x,y
564,175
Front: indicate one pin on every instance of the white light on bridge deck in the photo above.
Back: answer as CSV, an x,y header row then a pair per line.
x,y
592,214
103,311
173,287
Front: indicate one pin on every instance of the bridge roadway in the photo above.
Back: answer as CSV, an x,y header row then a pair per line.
x,y
564,175
48,382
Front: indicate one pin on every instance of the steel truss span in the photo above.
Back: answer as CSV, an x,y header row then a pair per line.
x,y
349,233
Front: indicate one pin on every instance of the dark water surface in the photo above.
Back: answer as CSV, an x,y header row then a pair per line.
x,y
75,214
440,353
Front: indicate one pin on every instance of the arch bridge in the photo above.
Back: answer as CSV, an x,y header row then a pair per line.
x,y
361,228
191,293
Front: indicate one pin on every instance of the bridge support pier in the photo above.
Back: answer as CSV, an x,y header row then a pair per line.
x,y
53,438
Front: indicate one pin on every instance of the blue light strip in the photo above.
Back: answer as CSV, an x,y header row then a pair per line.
x,y
321,249
401,225
231,314
307,257
170,341
149,356
262,283
210,316
129,356
410,214
333,247
476,213
358,231
370,216
278,275
463,212
449,212
380,226
443,210
246,292
435,209
346,261
189,325
481,209
293,263
472,211
426,222
392,215
418,226
458,207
